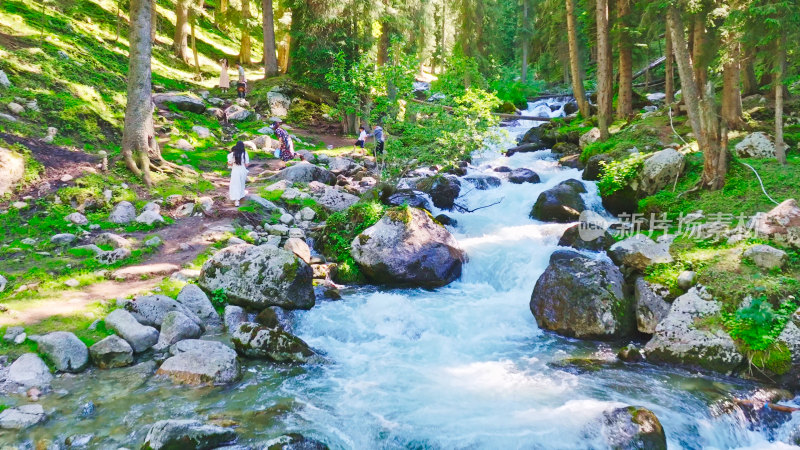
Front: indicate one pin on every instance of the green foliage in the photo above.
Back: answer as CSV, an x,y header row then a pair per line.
x,y
219,300
509,88
758,325
617,174
340,230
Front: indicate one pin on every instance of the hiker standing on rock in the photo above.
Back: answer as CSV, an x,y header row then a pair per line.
x,y
238,161
287,146
377,133
224,78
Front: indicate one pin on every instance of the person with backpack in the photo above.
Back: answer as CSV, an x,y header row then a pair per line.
x,y
380,140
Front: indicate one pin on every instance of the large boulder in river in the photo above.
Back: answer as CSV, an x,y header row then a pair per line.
x,y
572,237
681,338
111,352
183,102
271,343
443,189
29,371
64,350
562,203
12,170
259,276
408,248
140,337
582,297
526,148
194,299
639,252
522,175
151,310
305,172
633,427
651,308
198,362
186,434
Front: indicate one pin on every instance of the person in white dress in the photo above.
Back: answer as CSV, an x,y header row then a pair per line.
x,y
238,161
224,79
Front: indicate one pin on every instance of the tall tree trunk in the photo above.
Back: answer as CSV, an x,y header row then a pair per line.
x,y
153,21
220,12
715,154
138,136
192,19
245,56
383,43
180,41
604,71
685,70
669,71
731,93
444,34
625,97
270,53
575,62
698,52
525,41
748,73
283,54
780,68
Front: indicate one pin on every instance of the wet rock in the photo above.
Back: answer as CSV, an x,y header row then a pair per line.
x,y
65,351
111,352
79,440
633,427
594,167
407,247
294,441
176,327
186,434
29,371
196,301
140,337
259,277
483,182
444,219
444,190
526,148
755,145
639,252
630,353
63,238
651,308
765,256
197,362
566,149
22,417
520,176
183,102
410,198
562,203
234,315
582,297
572,238
678,339
502,169
123,212
256,341
305,172
781,224
152,310
112,240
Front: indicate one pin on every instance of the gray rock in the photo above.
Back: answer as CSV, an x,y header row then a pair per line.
x,y
562,203
140,337
766,257
234,315
63,238
194,299
77,218
305,172
149,218
22,417
483,182
236,113
154,241
202,132
12,333
29,371
176,327
307,214
113,256
582,297
197,362
186,434
408,248
152,206
687,279
3,283
522,175
679,340
342,165
572,238
639,252
4,81
152,309
590,137
111,352
333,199
299,248
16,108
183,102
651,308
278,103
755,145
112,240
661,169
781,224
443,189
259,277
65,351
632,427
274,344
123,212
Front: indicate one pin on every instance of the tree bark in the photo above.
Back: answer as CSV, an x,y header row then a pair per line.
x,y
138,136
731,93
192,19
180,41
575,62
604,71
780,63
698,52
219,14
245,56
383,43
685,70
625,96
748,73
669,71
525,41
153,21
270,53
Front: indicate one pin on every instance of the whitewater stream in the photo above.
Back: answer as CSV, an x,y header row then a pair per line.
x,y
461,367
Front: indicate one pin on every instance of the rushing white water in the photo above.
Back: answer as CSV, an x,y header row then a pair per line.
x,y
465,366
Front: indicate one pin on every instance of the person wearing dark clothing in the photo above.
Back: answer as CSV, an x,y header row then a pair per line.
x,y
377,133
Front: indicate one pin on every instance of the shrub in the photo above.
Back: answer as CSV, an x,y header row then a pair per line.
x,y
617,174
